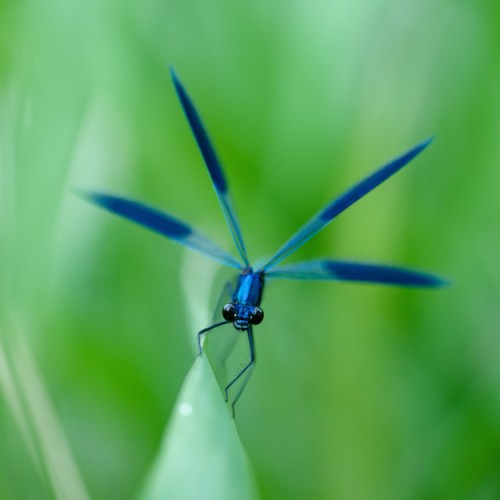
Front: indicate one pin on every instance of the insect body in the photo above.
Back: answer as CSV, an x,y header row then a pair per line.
x,y
244,309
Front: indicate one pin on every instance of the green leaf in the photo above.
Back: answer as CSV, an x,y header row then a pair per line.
x,y
201,456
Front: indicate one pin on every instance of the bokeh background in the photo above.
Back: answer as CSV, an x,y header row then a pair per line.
x,y
360,392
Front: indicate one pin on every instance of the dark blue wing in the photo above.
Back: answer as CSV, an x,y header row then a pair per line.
x,y
160,222
355,271
213,165
344,201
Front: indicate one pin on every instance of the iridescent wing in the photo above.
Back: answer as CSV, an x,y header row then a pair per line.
x,y
335,270
160,222
213,165
338,205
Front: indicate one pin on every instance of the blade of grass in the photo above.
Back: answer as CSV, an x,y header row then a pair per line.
x,y
32,409
201,456
62,470
14,404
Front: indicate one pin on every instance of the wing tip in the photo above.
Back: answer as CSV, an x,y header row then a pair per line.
x,y
423,145
103,200
179,87
413,152
424,280
173,74
84,194
440,282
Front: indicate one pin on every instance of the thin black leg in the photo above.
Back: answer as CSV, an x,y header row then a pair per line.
x,y
247,371
203,332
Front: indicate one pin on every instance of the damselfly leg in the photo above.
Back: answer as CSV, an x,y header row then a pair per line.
x,y
245,372
203,332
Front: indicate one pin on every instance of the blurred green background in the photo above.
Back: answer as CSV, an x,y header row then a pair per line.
x,y
360,392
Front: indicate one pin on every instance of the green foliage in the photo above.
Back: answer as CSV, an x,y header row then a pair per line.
x,y
201,456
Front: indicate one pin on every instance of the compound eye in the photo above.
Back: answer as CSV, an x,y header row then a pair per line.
x,y
256,316
229,312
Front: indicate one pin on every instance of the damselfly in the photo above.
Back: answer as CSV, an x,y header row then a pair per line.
x,y
244,310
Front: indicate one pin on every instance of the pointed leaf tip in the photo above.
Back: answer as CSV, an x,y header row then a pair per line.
x,y
201,455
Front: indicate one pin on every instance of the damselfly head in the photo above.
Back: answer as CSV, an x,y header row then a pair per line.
x,y
242,315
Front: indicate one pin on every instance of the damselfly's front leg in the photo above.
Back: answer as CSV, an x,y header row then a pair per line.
x,y
203,332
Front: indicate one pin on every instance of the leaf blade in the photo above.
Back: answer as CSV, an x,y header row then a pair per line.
x,y
201,455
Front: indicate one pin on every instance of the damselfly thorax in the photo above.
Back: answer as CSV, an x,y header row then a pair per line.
x,y
244,308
